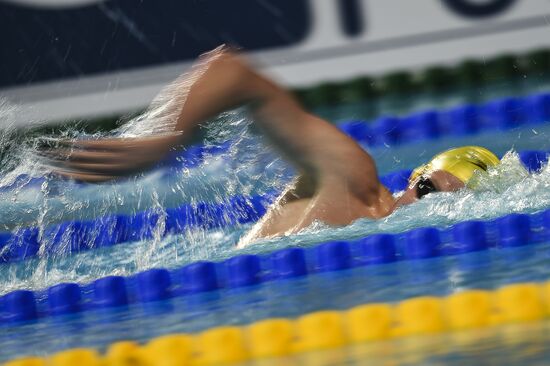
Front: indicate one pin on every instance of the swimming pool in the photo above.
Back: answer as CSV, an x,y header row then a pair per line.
x,y
253,173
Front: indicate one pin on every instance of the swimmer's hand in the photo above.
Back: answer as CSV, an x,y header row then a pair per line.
x,y
106,159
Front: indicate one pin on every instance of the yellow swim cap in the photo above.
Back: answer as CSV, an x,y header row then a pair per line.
x,y
461,162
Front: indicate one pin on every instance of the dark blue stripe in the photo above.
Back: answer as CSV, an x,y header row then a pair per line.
x,y
40,44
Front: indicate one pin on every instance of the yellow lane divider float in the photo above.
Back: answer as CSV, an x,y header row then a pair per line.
x,y
320,330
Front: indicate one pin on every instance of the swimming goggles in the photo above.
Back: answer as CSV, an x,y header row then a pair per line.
x,y
424,186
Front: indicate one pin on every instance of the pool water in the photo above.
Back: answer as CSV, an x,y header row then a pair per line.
x,y
290,298
249,168
508,189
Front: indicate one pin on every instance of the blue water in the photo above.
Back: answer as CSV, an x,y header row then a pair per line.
x,y
508,189
249,168
383,283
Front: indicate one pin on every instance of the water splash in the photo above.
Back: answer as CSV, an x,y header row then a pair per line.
x,y
246,167
507,188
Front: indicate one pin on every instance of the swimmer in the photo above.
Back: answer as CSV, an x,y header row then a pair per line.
x,y
337,181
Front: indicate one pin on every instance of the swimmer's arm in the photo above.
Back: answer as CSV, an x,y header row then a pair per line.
x,y
220,81
318,149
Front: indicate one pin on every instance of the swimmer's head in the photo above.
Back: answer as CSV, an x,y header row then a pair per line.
x,y
450,170
462,162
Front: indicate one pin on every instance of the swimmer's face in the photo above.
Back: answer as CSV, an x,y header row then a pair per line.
x,y
436,181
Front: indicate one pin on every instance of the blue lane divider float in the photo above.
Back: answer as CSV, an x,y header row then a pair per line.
x,y
467,119
513,230
75,236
